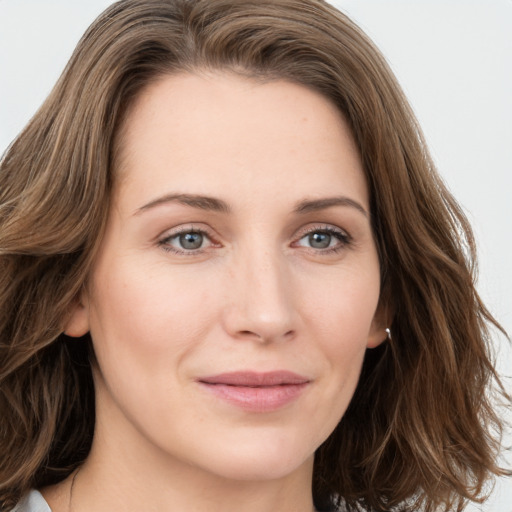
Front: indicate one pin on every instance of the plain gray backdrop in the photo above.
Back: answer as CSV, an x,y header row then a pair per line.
x,y
454,61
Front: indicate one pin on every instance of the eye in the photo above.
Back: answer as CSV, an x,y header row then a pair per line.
x,y
186,241
319,240
190,241
326,239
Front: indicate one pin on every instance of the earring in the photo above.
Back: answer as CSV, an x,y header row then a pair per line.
x,y
388,334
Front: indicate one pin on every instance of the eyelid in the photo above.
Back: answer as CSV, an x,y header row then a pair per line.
x,y
323,227
343,236
168,235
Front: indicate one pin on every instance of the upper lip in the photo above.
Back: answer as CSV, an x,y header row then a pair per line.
x,y
256,379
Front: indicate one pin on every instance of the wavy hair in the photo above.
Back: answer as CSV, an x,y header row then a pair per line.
x,y
421,431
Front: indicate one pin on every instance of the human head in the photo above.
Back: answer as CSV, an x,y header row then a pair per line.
x,y
54,202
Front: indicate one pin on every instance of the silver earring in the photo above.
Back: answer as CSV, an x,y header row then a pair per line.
x,y
388,334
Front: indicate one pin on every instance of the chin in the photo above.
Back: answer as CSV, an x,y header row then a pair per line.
x,y
261,469
259,459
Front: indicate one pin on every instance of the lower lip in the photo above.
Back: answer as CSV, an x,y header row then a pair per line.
x,y
257,399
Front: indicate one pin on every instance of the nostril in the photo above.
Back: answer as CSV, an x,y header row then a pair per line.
x,y
250,333
265,337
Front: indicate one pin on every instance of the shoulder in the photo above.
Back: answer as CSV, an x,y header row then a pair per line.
x,y
32,502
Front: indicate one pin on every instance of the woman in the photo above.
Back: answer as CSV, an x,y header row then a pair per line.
x,y
231,278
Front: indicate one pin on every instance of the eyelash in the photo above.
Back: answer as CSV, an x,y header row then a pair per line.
x,y
164,243
343,238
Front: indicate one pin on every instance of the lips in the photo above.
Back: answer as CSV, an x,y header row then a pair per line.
x,y
254,391
255,379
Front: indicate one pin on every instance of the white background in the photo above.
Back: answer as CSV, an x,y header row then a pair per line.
x,y
452,57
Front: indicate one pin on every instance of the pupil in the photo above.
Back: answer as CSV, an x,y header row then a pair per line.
x,y
191,240
319,240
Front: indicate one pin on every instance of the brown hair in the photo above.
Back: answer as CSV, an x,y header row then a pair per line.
x,y
421,431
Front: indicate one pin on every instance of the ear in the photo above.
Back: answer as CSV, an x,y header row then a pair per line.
x,y
77,324
381,321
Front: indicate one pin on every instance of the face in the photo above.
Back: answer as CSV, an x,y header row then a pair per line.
x,y
236,289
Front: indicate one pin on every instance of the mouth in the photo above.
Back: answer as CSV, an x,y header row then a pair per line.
x,y
254,391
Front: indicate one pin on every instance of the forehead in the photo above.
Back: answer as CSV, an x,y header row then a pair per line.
x,y
217,131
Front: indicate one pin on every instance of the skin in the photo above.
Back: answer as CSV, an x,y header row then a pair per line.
x,y
261,293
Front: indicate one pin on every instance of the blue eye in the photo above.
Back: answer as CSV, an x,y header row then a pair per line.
x,y
326,239
190,241
320,240
186,241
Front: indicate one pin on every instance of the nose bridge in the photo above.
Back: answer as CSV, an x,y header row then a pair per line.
x,y
261,302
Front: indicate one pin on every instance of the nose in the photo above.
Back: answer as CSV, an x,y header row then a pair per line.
x,y
260,303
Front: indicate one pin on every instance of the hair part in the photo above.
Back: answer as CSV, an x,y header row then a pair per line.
x,y
421,428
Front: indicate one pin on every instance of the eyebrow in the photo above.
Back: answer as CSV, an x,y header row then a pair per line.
x,y
218,205
193,200
315,205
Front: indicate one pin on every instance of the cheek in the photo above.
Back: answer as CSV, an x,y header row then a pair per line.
x,y
340,319
142,319
342,304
